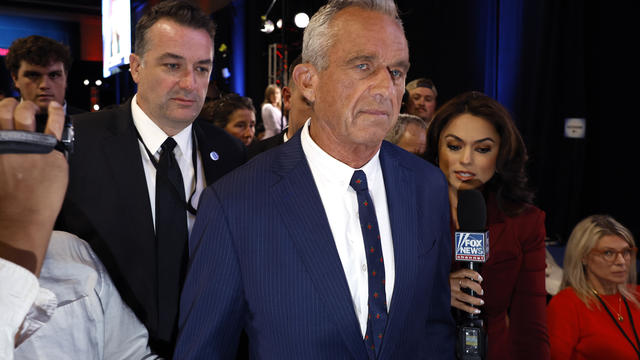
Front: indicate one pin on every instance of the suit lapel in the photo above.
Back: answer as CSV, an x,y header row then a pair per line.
x,y
305,219
126,175
208,152
122,155
400,185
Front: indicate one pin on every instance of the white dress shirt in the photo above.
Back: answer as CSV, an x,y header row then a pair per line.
x,y
340,203
18,290
153,138
77,313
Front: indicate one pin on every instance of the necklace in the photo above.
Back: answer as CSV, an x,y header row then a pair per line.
x,y
636,346
620,317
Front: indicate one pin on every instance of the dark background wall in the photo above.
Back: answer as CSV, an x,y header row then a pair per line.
x,y
545,60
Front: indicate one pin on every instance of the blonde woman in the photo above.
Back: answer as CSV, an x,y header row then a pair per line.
x,y
272,118
596,315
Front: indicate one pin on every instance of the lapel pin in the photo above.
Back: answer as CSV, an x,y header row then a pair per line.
x,y
214,156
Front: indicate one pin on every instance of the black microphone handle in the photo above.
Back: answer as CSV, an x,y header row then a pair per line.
x,y
475,266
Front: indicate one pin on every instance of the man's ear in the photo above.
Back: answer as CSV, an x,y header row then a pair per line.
x,y
286,96
135,63
306,79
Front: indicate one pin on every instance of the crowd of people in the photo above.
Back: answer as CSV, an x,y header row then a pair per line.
x,y
157,237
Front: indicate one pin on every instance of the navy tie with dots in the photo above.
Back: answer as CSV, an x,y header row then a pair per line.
x,y
377,318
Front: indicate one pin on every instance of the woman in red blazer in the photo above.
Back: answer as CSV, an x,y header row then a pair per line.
x,y
474,141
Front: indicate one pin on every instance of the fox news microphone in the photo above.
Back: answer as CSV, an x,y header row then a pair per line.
x,y
472,248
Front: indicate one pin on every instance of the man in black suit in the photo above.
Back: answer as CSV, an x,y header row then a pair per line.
x,y
39,68
138,169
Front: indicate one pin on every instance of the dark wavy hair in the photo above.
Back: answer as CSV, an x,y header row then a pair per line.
x,y
179,11
37,50
219,111
509,183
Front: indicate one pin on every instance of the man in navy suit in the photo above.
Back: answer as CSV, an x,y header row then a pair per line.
x,y
282,246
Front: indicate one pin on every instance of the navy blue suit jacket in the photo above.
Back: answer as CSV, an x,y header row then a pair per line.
x,y
263,258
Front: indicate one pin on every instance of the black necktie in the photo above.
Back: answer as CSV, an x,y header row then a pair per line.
x,y
377,319
172,236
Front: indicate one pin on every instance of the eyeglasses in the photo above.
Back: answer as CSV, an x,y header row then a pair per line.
x,y
611,255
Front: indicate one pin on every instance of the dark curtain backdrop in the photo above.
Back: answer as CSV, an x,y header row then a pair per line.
x,y
545,61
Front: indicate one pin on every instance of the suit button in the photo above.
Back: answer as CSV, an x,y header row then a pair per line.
x,y
364,267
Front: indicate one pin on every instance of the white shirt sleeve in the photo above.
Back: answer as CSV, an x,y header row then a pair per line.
x,y
18,290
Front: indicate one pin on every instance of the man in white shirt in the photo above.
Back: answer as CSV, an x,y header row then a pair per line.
x,y
73,310
335,244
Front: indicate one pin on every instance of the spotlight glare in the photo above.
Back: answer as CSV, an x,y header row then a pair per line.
x,y
267,27
96,107
279,23
301,20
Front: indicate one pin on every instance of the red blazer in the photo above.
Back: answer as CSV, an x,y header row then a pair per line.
x,y
514,291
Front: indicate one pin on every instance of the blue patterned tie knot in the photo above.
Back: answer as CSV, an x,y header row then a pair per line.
x,y
359,181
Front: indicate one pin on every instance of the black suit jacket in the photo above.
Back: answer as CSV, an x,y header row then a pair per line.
x,y
263,145
107,201
72,110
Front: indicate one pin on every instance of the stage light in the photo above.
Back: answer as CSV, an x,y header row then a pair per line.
x,y
279,24
96,107
267,26
301,20
86,82
98,82
226,73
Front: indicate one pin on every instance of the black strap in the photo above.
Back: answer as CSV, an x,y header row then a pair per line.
x,y
194,157
27,142
620,328
635,334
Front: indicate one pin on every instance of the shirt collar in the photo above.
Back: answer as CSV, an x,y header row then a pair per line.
x,y
153,136
327,169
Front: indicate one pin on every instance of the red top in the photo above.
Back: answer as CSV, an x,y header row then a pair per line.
x,y
578,332
514,292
